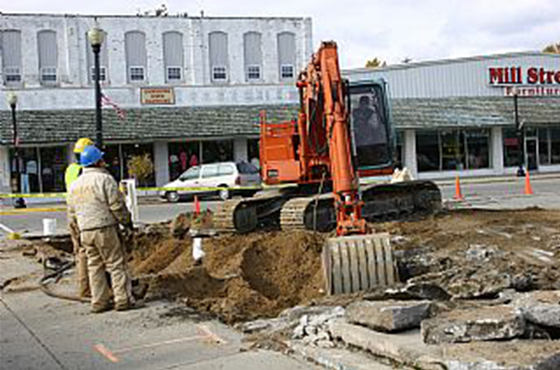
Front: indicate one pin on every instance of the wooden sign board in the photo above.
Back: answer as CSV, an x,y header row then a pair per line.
x,y
157,95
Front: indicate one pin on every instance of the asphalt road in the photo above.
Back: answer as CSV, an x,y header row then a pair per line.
x,y
498,194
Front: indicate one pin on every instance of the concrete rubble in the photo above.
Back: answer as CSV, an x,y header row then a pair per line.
x,y
480,324
389,316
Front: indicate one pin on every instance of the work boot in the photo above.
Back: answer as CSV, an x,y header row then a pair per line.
x,y
102,308
125,306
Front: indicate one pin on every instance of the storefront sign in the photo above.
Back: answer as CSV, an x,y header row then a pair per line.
x,y
517,75
532,81
532,90
157,95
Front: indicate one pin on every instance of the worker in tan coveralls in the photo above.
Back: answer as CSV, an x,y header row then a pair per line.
x,y
73,171
98,207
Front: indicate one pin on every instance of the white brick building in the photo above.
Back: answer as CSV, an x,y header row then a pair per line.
x,y
203,65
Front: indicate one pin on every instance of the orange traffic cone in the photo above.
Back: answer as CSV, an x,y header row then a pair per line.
x,y
528,188
458,195
196,206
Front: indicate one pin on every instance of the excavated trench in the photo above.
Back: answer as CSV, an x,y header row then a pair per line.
x,y
469,254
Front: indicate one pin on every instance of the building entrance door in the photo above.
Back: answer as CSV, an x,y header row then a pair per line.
x,y
531,153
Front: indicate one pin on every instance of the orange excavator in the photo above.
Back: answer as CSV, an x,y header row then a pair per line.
x,y
319,159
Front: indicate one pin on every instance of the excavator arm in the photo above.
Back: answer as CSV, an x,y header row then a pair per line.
x,y
323,90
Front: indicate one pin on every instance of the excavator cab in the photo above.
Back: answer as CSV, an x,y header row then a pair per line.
x,y
371,127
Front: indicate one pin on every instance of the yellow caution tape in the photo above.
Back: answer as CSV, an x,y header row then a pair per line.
x,y
13,212
193,189
34,195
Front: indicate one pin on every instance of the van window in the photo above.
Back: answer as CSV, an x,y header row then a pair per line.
x,y
210,170
191,174
225,170
247,168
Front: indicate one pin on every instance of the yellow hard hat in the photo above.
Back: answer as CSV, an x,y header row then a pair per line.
x,y
81,144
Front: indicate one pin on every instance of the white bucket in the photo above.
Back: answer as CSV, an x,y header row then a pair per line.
x,y
49,226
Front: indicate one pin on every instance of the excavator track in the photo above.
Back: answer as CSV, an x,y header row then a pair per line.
x,y
308,213
382,202
247,214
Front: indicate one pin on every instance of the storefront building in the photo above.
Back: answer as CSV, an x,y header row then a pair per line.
x,y
458,116
181,89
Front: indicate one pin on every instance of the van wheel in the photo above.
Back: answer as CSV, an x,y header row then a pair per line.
x,y
224,193
172,196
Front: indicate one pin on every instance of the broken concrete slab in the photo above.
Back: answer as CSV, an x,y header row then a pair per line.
x,y
389,316
545,315
475,324
405,348
539,307
536,298
337,358
408,349
507,355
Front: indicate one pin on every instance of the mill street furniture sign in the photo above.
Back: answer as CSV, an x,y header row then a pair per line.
x,y
157,95
532,81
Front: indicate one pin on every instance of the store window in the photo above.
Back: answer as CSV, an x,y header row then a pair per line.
x,y
399,149
113,159
253,152
129,151
453,150
217,151
544,154
511,148
41,169
183,156
555,145
53,165
427,151
448,150
478,153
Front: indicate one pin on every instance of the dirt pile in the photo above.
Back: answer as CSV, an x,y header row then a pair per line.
x,y
241,277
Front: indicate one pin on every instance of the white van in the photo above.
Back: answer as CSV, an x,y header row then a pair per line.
x,y
230,176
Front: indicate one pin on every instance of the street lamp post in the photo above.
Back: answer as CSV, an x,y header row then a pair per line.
x,y
519,132
12,101
95,36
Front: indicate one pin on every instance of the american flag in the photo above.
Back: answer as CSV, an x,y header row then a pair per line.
x,y
120,112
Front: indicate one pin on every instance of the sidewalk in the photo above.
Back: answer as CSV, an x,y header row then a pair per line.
x,y
40,332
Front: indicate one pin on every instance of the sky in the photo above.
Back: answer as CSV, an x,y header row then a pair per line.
x,y
392,30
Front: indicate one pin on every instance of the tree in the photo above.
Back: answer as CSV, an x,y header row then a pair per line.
x,y
552,49
375,63
140,167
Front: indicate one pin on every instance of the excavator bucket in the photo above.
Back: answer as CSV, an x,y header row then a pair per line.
x,y
358,262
